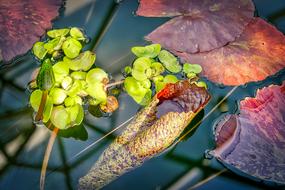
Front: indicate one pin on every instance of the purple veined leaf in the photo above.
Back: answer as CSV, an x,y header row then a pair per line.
x,y
22,23
200,25
148,134
253,141
258,53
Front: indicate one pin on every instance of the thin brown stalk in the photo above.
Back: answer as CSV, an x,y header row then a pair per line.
x,y
46,157
207,179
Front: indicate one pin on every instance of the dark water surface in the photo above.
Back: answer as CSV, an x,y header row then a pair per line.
x,y
114,30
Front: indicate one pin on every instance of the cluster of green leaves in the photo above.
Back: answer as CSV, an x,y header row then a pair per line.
x,y
154,67
69,78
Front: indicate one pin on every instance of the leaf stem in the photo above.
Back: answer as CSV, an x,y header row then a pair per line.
x,y
46,156
114,84
39,115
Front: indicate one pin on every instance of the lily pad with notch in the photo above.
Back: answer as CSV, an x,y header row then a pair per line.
x,y
258,53
252,142
220,22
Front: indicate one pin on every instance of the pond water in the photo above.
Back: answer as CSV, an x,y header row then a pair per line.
x,y
114,29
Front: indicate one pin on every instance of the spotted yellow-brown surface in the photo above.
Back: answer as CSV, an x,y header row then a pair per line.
x,y
143,138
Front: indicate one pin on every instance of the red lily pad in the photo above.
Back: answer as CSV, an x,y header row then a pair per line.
x,y
253,141
258,53
219,22
22,23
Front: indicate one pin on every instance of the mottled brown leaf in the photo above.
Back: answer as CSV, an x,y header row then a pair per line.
x,y
200,25
258,53
22,23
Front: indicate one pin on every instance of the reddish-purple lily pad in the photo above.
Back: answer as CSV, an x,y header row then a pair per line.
x,y
253,141
22,23
200,25
258,53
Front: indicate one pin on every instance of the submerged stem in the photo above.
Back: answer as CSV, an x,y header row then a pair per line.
x,y
46,157
39,115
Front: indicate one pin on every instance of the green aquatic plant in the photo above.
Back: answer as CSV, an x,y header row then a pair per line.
x,y
64,84
154,67
70,78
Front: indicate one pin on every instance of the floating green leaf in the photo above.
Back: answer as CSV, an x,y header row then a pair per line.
x,y
170,79
66,82
78,75
192,68
76,114
58,32
96,75
77,33
137,91
97,91
78,100
142,68
158,78
146,83
71,47
60,70
69,101
83,62
150,51
35,99
38,50
157,68
60,117
191,75
54,45
75,88
169,61
58,95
